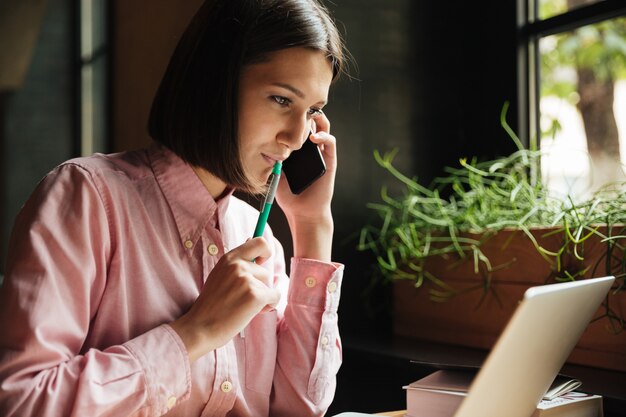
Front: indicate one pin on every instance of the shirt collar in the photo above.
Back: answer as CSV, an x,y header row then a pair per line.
x,y
192,205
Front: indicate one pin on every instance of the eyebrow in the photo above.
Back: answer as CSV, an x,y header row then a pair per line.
x,y
296,91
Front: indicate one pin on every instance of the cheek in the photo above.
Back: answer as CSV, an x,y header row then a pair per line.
x,y
255,117
247,148
246,121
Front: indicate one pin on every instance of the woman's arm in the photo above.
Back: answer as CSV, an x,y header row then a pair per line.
x,y
56,275
309,214
309,347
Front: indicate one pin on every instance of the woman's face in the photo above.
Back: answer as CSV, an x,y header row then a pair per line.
x,y
279,100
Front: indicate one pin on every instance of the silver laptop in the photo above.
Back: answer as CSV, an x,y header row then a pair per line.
x,y
532,349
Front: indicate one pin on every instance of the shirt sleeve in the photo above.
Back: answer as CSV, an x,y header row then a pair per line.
x,y
56,273
309,347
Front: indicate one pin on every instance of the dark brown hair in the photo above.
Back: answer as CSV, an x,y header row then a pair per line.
x,y
194,112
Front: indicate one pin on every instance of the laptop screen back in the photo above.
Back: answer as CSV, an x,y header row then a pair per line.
x,y
533,347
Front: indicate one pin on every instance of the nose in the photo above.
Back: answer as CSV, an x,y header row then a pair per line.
x,y
295,133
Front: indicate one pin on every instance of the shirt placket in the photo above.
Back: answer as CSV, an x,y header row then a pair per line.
x,y
226,383
213,250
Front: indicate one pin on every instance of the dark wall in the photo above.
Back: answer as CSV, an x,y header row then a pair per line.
x,y
466,54
433,77
373,111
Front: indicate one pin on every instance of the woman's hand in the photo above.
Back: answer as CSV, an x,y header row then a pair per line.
x,y
309,214
235,291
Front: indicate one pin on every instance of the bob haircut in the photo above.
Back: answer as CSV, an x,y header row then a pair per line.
x,y
195,110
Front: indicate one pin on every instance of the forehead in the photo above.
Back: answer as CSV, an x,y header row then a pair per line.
x,y
308,70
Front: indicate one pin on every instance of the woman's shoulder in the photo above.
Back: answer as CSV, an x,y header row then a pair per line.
x,y
98,172
105,170
128,163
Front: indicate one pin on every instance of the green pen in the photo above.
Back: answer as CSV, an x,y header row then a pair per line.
x,y
269,199
265,212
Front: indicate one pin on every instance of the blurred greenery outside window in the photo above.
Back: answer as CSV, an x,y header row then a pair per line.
x,y
580,65
551,8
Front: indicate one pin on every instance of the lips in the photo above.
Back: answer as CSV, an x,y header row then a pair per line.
x,y
272,159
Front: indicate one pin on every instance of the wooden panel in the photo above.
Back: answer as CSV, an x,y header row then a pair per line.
x,y
145,34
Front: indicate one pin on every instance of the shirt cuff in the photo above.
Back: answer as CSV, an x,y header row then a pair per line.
x,y
165,363
315,284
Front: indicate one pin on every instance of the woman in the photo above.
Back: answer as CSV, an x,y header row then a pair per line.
x,y
131,290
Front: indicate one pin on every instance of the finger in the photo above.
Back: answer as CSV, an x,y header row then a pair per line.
x,y
254,248
273,298
263,275
323,138
327,144
261,259
322,124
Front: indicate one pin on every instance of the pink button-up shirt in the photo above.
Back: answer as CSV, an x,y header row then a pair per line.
x,y
111,248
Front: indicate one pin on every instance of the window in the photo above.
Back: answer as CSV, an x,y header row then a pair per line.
x,y
93,76
574,54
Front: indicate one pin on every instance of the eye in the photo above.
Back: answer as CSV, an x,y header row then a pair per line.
x,y
314,112
282,101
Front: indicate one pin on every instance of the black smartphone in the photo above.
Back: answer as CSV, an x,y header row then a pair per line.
x,y
304,166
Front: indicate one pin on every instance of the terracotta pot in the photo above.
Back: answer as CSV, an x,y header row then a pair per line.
x,y
476,319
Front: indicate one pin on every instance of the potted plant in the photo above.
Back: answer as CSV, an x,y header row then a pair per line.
x,y
462,251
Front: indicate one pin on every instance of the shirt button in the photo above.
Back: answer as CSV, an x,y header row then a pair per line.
x,y
188,244
226,386
213,250
332,286
310,282
324,341
171,402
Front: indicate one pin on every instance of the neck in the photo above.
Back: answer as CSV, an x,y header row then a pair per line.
x,y
214,185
